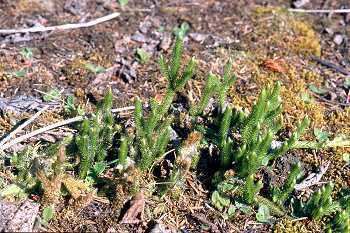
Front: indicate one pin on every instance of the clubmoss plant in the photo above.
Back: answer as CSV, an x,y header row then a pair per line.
x,y
340,223
95,136
251,189
153,131
51,184
258,131
123,151
26,164
187,157
215,86
319,204
246,143
225,142
280,195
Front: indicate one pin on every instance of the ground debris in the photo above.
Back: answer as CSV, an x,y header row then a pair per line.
x,y
75,7
202,219
137,205
21,104
18,217
275,65
300,3
160,228
313,178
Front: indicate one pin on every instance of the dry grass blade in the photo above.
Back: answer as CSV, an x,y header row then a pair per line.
x,y
61,27
324,11
22,138
22,126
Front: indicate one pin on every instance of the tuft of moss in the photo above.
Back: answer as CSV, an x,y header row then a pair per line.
x,y
306,41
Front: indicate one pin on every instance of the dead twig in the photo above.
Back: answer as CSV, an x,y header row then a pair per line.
x,y
124,109
40,131
330,11
331,65
61,27
313,178
22,126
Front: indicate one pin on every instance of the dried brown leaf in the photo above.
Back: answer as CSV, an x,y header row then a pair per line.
x,y
137,205
275,65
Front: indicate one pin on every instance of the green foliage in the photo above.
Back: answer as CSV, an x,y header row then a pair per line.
x,y
253,148
274,208
338,141
123,151
317,90
12,191
227,81
142,55
346,158
264,114
47,215
181,31
347,82
123,3
95,136
27,53
263,214
323,141
171,69
320,135
152,140
19,73
220,201
340,223
215,86
26,164
209,91
53,94
320,203
96,69
280,195
251,189
258,130
153,131
70,108
225,142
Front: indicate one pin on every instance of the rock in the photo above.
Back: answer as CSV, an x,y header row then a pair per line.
x,y
338,39
145,26
329,31
138,37
300,3
165,42
160,228
198,37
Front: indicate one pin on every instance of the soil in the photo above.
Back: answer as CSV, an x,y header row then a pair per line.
x,y
266,42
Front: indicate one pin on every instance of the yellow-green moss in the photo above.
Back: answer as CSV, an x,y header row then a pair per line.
x,y
306,41
289,226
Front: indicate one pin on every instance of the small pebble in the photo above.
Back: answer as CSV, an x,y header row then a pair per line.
x,y
338,39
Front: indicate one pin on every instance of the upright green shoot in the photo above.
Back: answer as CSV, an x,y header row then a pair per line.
x,y
95,136
153,131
